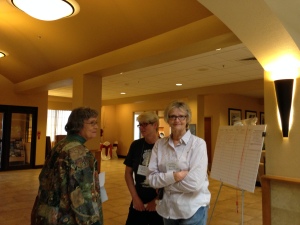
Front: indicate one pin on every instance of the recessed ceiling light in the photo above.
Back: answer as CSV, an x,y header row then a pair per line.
x,y
178,84
202,69
47,10
123,93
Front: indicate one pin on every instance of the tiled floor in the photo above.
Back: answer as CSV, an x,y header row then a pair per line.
x,y
18,190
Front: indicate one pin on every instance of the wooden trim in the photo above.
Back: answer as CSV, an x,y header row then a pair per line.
x,y
266,200
266,194
97,154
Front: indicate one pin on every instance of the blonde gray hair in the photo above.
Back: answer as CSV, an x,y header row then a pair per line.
x,y
148,117
178,105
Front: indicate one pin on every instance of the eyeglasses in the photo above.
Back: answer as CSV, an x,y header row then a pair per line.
x,y
173,117
93,123
143,124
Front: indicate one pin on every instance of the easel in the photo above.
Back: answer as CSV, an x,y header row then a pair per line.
x,y
242,208
238,149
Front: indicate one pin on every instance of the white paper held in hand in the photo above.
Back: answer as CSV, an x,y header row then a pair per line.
x,y
103,193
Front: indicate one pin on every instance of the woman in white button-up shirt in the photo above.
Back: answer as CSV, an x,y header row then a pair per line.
x,y
178,165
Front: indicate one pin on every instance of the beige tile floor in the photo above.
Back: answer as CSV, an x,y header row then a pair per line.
x,y
18,190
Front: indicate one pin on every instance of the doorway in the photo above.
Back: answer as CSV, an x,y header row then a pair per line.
x,y
17,142
207,138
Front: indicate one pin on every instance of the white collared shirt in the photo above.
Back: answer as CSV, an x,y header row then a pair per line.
x,y
181,199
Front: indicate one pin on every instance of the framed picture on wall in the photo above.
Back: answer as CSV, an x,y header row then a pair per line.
x,y
193,128
234,115
262,118
250,114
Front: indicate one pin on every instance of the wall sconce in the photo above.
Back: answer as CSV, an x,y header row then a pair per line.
x,y
47,10
284,94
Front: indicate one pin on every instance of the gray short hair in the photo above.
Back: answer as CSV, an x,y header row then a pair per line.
x,y
77,117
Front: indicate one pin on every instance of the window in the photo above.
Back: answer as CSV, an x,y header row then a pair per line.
x,y
136,130
56,121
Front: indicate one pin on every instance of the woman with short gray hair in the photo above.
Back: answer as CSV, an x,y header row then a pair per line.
x,y
69,190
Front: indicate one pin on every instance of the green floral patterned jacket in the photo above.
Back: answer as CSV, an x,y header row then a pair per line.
x,y
69,191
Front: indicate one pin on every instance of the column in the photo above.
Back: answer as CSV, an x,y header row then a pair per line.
x,y
87,92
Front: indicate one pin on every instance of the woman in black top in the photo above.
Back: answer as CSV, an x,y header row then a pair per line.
x,y
142,208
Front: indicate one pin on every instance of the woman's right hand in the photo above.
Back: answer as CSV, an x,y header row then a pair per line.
x,y
138,204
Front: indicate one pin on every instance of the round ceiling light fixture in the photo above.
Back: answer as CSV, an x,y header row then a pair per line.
x,y
47,10
2,54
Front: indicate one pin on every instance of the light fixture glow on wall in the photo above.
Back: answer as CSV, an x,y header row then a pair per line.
x,y
47,10
284,95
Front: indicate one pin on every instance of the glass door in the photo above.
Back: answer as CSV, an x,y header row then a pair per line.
x,y
20,139
18,144
1,138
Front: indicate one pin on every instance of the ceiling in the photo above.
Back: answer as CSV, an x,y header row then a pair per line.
x,y
231,64
177,43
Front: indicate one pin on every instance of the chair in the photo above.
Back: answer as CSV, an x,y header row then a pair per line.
x,y
114,154
106,155
59,137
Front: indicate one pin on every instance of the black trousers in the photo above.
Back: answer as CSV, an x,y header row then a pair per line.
x,y
143,217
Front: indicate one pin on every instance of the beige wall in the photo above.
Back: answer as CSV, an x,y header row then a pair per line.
x,y
284,155
216,107
282,158
8,97
108,124
117,120
55,103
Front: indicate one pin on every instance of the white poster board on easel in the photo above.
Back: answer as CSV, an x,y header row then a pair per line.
x,y
237,155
